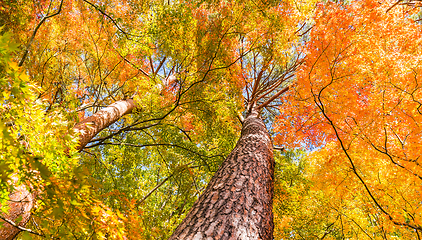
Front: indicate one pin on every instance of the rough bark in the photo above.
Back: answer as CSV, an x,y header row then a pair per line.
x,y
237,203
22,201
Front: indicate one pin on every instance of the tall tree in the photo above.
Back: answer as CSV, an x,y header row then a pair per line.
x,y
188,65
356,101
237,202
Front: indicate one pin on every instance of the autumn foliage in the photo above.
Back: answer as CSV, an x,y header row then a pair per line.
x,y
338,84
356,104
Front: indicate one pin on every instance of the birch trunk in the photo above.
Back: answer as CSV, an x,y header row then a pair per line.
x,y
237,203
22,201
91,126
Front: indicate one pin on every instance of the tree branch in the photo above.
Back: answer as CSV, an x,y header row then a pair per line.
x,y
153,190
395,4
19,227
28,45
112,20
273,98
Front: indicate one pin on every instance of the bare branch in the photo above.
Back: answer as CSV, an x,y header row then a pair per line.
x,y
28,45
395,4
279,148
273,98
19,227
112,20
240,117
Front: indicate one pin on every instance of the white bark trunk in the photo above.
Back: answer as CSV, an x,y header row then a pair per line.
x,y
22,201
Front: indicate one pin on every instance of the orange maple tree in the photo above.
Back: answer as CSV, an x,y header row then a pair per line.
x,y
357,104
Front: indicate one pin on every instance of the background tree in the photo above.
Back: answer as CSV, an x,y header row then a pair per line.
x,y
356,100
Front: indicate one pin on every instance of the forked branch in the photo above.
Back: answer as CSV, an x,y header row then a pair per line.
x,y
28,45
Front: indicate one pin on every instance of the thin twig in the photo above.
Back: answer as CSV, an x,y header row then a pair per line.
x,y
19,227
395,4
153,190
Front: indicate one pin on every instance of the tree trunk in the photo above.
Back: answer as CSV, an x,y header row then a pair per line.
x,y
22,201
20,204
91,126
237,203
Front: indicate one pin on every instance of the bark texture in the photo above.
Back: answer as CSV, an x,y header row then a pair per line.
x,y
22,201
94,124
237,203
